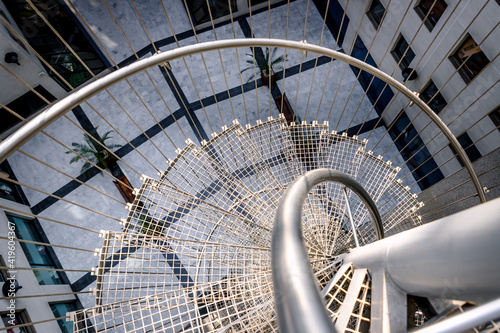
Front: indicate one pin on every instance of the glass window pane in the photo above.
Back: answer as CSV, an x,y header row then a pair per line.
x,y
434,99
376,12
218,8
470,59
60,310
436,8
37,255
402,48
41,37
21,317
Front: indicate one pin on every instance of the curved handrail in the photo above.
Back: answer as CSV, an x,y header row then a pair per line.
x,y
298,302
21,136
467,320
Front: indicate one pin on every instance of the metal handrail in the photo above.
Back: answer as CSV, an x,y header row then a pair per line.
x,y
467,320
37,124
298,302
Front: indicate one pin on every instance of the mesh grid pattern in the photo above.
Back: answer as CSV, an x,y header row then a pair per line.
x,y
273,143
194,254
360,316
343,153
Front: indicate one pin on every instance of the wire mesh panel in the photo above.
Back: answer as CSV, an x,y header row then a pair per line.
x,y
273,142
344,153
236,155
336,291
398,209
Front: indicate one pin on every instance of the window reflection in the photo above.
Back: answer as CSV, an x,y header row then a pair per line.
x,y
37,255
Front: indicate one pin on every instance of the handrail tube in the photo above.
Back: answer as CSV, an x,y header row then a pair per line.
x,y
298,301
467,320
455,257
37,124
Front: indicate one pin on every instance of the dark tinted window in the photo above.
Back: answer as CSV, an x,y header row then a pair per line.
x,y
376,12
201,13
469,59
495,118
26,105
403,52
435,9
40,36
432,97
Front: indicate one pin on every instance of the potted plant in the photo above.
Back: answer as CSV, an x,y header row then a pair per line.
x,y
268,65
94,152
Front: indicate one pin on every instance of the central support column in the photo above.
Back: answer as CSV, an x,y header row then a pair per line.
x,y
452,258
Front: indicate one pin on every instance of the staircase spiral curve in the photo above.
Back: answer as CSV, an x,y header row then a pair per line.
x,y
194,253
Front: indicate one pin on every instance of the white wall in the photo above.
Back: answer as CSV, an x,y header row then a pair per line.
x,y
432,50
38,308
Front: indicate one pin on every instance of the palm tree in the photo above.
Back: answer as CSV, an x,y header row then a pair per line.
x,y
267,67
93,151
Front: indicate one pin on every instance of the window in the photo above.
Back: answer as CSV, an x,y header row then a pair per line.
x,y
376,13
38,255
218,8
9,190
21,317
469,59
402,52
436,8
25,106
49,46
469,147
413,150
60,310
435,101
495,117
3,273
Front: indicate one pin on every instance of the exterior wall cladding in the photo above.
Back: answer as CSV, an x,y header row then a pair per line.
x,y
468,103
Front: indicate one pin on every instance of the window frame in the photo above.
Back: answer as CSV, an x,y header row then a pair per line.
x,y
54,51
62,322
373,17
50,254
401,58
464,70
494,116
438,95
468,146
422,13
22,314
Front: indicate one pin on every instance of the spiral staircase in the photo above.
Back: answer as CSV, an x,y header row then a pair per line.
x,y
194,254
209,244
195,251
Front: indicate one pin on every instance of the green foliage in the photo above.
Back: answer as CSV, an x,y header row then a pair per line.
x,y
150,226
93,150
269,65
